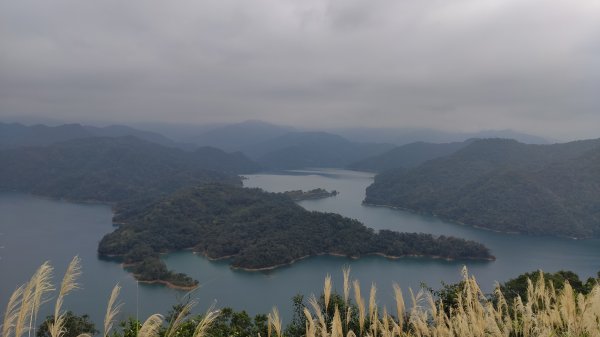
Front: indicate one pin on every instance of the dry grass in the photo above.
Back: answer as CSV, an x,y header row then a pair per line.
x,y
68,284
275,321
545,312
20,315
112,310
327,291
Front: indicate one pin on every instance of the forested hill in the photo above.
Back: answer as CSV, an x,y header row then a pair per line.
x,y
240,136
13,135
504,185
312,149
115,169
258,230
407,156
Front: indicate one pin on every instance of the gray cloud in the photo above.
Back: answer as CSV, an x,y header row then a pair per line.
x,y
530,65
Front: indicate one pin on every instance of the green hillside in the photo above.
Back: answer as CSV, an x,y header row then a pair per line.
x,y
114,169
407,156
504,185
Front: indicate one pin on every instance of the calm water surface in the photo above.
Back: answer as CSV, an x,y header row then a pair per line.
x,y
33,230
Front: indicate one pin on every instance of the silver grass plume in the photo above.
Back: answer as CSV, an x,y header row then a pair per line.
x,y
68,284
112,310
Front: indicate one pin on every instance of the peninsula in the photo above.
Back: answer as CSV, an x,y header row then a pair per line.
x,y
317,193
256,230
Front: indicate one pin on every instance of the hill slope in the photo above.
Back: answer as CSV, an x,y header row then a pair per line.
x,y
240,136
15,135
312,149
403,136
407,156
504,185
114,169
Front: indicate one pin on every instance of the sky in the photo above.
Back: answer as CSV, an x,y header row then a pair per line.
x,y
460,65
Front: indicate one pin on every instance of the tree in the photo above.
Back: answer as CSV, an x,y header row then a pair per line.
x,y
74,325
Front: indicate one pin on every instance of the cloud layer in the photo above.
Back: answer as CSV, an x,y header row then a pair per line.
x,y
530,65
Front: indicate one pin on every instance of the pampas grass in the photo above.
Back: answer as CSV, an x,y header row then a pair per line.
x,y
68,284
346,272
30,299
327,291
360,302
206,322
178,321
151,326
545,311
275,321
42,286
23,305
12,312
112,310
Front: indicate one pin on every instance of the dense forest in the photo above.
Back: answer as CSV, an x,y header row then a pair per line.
x,y
14,135
115,169
504,185
259,230
317,193
311,149
407,156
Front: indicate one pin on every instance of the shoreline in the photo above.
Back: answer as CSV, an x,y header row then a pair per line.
x,y
247,269
408,210
390,257
167,284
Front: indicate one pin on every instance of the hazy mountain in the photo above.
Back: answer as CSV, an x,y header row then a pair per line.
x,y
504,185
122,131
402,136
16,135
114,169
240,136
312,149
407,156
181,133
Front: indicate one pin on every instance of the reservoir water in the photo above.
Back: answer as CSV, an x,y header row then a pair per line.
x,y
33,230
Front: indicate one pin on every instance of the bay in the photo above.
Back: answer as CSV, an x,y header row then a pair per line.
x,y
33,230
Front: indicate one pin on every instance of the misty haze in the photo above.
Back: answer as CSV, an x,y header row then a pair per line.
x,y
198,168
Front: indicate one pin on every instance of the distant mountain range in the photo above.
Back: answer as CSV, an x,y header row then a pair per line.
x,y
504,185
240,136
402,136
282,147
17,135
275,147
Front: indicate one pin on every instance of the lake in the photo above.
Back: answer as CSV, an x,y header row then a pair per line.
x,y
33,230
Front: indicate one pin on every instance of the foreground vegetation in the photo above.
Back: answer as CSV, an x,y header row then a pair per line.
x,y
256,230
544,305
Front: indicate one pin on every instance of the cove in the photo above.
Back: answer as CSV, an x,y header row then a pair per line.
x,y
34,229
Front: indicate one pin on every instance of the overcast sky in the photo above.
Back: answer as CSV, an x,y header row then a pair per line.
x,y
528,65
